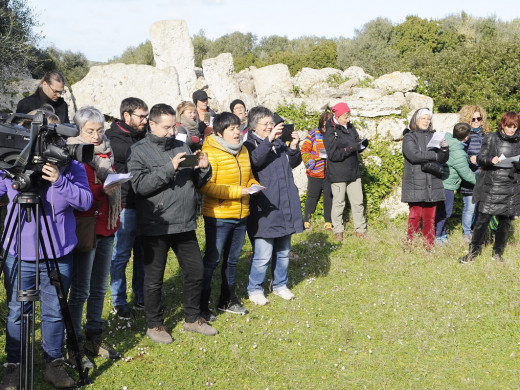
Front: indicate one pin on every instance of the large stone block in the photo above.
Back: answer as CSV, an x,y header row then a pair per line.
x,y
391,128
415,100
273,84
308,77
219,72
105,86
397,82
173,47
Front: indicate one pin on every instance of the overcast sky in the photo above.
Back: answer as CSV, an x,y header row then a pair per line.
x,y
102,29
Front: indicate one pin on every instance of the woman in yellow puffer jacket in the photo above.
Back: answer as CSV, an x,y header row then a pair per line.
x,y
225,208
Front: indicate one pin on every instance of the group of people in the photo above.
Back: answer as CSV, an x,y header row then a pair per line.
x,y
236,171
482,165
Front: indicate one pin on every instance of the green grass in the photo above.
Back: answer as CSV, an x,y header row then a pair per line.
x,y
367,314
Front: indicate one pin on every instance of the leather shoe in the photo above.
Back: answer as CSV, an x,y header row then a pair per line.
x,y
338,236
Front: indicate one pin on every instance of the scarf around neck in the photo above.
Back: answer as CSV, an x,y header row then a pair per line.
x,y
234,149
189,124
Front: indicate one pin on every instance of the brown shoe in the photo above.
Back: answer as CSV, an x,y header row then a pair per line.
x,y
338,236
360,235
159,335
56,375
200,326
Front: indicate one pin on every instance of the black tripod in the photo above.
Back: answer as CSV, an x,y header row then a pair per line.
x,y
32,204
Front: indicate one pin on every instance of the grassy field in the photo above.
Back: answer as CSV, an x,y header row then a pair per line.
x,y
367,314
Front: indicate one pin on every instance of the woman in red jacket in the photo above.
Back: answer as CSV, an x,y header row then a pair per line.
x,y
91,269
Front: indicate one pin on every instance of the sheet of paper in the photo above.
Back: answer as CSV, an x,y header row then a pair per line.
x,y
436,139
255,188
323,153
181,137
115,178
507,162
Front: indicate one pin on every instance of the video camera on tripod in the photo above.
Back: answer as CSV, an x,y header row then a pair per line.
x,y
23,152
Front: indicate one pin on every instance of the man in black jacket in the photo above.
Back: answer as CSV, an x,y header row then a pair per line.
x,y
165,181
122,135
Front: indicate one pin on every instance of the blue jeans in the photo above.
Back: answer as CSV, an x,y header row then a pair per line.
x,y
468,214
223,238
126,240
52,325
263,249
444,210
90,273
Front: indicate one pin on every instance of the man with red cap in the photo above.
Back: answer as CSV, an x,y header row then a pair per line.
x,y
343,145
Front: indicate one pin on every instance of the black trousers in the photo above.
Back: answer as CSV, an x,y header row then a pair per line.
x,y
315,187
480,231
186,248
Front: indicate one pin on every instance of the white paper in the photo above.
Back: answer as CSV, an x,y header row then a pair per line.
x,y
181,137
436,139
323,153
117,178
254,189
507,162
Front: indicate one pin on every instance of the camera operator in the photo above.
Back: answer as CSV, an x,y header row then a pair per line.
x,y
65,189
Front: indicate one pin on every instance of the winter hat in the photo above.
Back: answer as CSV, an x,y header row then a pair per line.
x,y
199,95
340,108
235,102
277,119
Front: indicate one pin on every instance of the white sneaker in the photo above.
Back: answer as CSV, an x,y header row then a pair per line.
x,y
284,293
258,298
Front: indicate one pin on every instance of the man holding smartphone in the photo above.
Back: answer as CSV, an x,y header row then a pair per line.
x,y
165,181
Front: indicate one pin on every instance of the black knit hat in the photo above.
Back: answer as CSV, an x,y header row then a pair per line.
x,y
277,119
235,102
199,95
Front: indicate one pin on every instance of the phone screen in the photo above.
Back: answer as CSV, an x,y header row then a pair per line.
x,y
191,160
287,130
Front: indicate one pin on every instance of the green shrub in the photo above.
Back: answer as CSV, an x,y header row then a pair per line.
x,y
302,118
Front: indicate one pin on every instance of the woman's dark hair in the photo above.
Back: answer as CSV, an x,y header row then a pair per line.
x,y
223,120
51,76
510,118
324,118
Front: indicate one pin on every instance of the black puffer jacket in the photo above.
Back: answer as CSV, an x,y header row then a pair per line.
x,y
38,99
342,146
498,189
419,186
121,137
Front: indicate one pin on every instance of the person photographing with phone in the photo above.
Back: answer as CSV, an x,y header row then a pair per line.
x,y
165,182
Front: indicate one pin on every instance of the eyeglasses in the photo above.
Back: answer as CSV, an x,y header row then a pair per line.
x,y
476,119
61,93
91,133
266,124
141,117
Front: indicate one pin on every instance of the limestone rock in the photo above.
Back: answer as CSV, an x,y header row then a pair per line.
x,y
371,108
445,122
173,47
306,78
415,100
366,93
245,81
391,128
219,73
392,205
397,82
273,84
143,81
356,72
14,90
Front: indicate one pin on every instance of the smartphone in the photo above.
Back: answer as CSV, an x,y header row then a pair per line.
x,y
287,130
191,160
207,117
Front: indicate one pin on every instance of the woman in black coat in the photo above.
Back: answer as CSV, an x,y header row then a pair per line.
x,y
422,189
497,191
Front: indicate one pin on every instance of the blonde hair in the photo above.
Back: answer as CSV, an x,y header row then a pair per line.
x,y
183,106
466,115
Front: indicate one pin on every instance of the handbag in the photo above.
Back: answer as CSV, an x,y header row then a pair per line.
x,y
86,234
433,167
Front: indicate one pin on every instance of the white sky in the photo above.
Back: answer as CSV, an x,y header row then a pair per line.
x,y
102,29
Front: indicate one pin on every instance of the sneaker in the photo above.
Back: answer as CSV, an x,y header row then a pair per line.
x,y
56,375
441,240
466,259
200,326
258,298
85,361
138,306
208,315
328,226
307,225
159,335
338,236
284,293
235,308
123,312
95,346
11,376
498,257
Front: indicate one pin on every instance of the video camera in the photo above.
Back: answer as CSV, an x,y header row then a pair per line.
x,y
23,152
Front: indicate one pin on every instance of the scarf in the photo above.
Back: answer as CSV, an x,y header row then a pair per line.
x,y
102,163
233,149
190,125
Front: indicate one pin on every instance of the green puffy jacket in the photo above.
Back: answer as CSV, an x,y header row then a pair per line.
x,y
457,167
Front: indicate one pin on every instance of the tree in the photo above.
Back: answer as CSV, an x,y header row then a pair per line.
x,y
201,47
73,66
142,54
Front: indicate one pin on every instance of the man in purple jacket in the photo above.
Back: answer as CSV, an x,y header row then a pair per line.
x,y
67,189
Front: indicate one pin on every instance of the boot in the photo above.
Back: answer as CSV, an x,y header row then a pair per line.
x,y
205,312
56,375
95,346
11,377
472,253
70,357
